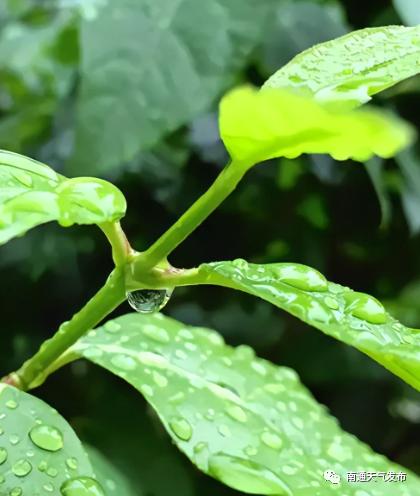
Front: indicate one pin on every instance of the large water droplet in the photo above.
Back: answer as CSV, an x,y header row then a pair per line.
x,y
300,276
271,440
245,475
82,486
47,437
124,362
16,491
365,307
148,300
3,455
21,468
181,428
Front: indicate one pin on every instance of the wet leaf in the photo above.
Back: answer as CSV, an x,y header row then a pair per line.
x,y
347,71
112,480
39,451
259,125
238,418
32,194
355,318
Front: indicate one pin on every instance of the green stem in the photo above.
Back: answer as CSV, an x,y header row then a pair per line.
x,y
222,187
121,248
109,297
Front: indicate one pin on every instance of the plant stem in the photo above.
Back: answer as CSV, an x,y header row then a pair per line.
x,y
103,303
222,187
121,248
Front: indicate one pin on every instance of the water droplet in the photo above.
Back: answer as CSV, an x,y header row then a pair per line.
x,y
49,488
148,300
300,276
240,263
47,437
365,307
245,475
156,333
14,439
331,303
16,491
112,327
237,413
11,404
159,379
271,440
124,362
82,486
3,455
21,468
52,472
43,465
251,451
72,463
181,428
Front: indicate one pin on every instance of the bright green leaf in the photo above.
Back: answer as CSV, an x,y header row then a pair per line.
x,y
164,64
350,69
238,418
112,480
355,318
259,125
32,194
39,451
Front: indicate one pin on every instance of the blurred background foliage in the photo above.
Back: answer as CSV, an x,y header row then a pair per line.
x,y
128,90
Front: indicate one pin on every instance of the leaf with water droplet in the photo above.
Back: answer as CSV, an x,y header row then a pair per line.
x,y
31,194
35,446
357,319
348,70
238,418
112,480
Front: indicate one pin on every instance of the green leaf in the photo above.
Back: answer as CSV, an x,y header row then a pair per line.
x,y
238,418
39,451
355,318
32,194
409,11
112,480
162,66
259,125
347,71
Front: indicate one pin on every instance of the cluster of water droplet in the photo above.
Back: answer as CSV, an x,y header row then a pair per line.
x,y
46,439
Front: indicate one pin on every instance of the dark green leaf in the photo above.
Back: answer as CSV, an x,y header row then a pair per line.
x,y
163,65
239,418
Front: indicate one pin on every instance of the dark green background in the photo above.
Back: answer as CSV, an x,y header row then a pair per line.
x,y
312,210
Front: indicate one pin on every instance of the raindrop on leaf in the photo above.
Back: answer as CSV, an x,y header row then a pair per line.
x,y
82,486
47,437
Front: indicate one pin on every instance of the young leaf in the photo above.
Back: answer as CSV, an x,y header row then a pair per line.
x,y
32,194
347,71
259,125
238,418
354,318
39,451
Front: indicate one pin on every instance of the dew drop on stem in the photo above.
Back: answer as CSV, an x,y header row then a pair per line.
x,y
148,300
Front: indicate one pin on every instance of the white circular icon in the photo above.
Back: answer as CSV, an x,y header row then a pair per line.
x,y
331,476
